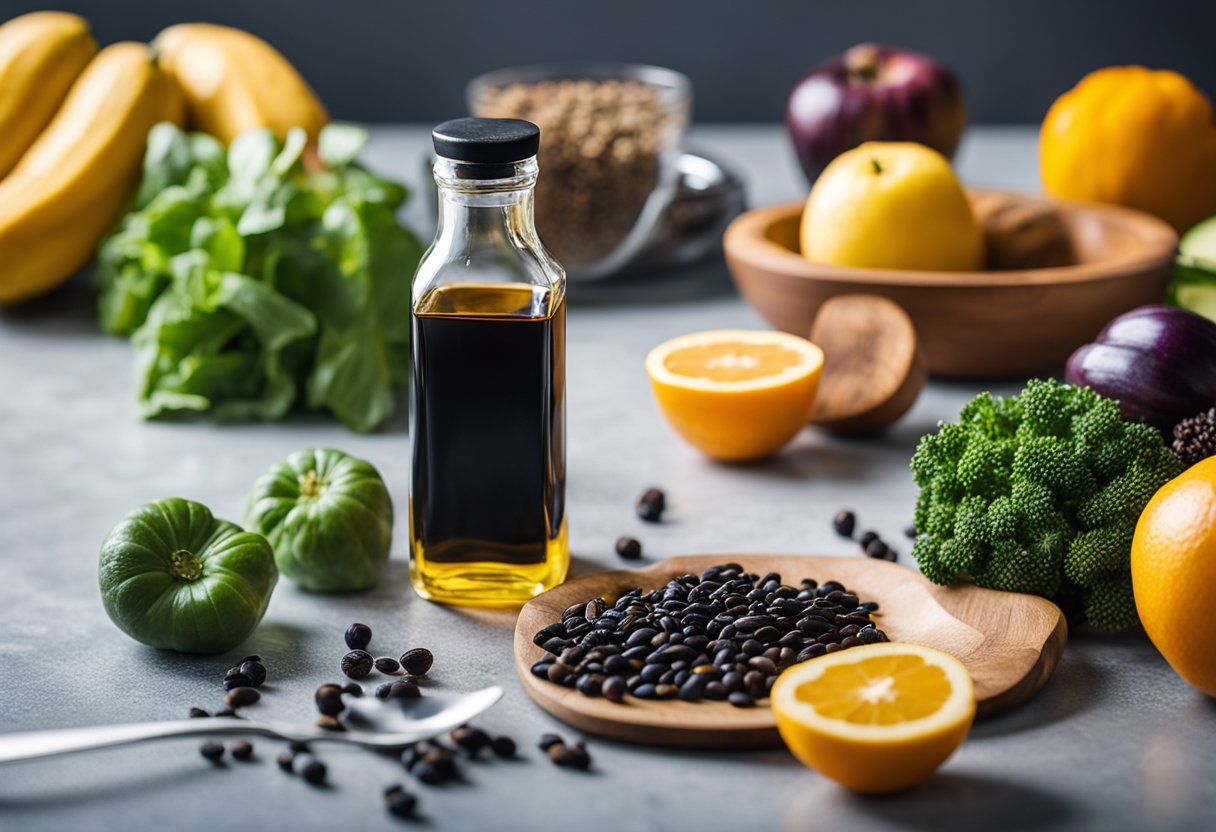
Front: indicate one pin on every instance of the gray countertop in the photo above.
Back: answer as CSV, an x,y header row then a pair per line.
x,y
1115,740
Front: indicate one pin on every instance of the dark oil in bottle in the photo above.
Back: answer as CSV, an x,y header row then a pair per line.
x,y
487,503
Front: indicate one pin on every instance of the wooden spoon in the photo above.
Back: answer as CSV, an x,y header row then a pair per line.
x,y
873,371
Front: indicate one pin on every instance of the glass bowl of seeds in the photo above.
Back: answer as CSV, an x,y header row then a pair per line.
x,y
611,137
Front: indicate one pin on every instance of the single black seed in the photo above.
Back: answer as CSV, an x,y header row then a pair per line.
x,y
503,747
547,740
226,712
629,548
357,664
383,690
399,802
241,749
404,689
428,773
237,680
540,668
251,659
554,630
651,505
470,739
198,713
328,698
844,523
644,691
910,532
212,750
330,723
358,636
241,697
614,689
417,662
865,540
570,756
353,689
876,548
255,670
286,760
741,700
314,772
387,665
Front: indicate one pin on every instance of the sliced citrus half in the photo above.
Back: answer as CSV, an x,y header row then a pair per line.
x,y
736,394
875,718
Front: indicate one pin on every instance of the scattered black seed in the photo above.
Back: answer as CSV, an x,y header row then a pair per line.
x,y
198,713
701,637
845,523
358,636
251,659
236,680
629,548
387,665
330,723
428,773
329,699
255,671
910,531
503,747
403,689
357,664
548,740
399,802
241,750
298,747
651,505
314,772
241,697
353,689
470,739
286,760
383,690
212,750
876,548
867,538
570,756
417,662
226,712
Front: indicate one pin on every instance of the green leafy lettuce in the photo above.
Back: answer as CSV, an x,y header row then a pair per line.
x,y
251,283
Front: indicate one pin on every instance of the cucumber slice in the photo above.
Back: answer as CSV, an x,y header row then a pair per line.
x,y
1199,244
1199,298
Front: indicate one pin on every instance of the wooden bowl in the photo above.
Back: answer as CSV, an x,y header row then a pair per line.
x,y
970,324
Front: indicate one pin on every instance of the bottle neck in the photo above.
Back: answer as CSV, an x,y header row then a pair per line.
x,y
485,206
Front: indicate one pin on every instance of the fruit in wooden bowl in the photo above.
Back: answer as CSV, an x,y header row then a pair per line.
x,y
970,324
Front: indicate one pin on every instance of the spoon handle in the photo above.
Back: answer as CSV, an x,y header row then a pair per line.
x,y
31,744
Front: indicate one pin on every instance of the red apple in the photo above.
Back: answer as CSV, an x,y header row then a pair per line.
x,y
873,93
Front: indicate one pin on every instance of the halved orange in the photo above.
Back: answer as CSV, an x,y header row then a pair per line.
x,y
736,394
875,718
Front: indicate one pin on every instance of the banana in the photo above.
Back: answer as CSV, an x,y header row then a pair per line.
x,y
234,81
74,182
41,54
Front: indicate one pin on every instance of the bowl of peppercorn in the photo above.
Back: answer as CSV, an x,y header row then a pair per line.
x,y
610,153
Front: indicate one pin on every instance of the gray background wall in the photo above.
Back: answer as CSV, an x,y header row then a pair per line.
x,y
402,60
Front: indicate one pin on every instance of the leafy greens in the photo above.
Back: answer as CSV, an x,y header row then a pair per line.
x,y
250,283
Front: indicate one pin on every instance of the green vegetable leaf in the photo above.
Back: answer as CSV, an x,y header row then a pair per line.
x,y
250,285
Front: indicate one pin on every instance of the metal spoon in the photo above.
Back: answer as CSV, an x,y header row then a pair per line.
x,y
370,722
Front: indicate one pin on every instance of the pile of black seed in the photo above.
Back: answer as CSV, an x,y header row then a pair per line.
x,y
722,636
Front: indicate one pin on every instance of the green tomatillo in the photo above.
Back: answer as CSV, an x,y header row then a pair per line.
x,y
328,516
172,575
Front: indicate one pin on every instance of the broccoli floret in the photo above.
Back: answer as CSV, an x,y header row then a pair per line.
x,y
1039,493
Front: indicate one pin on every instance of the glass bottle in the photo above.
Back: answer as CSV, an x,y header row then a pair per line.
x,y
488,377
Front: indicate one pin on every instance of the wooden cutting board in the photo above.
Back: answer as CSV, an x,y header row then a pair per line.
x,y
1009,642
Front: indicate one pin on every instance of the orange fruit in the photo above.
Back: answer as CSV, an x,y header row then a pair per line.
x,y
1174,573
1144,138
875,718
736,394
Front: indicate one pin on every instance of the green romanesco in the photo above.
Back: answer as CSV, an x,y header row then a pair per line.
x,y
1039,493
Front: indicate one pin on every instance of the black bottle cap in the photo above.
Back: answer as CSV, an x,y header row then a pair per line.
x,y
495,141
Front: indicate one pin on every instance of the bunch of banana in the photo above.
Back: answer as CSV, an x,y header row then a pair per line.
x,y
74,123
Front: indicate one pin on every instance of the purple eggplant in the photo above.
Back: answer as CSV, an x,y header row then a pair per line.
x,y
1158,362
